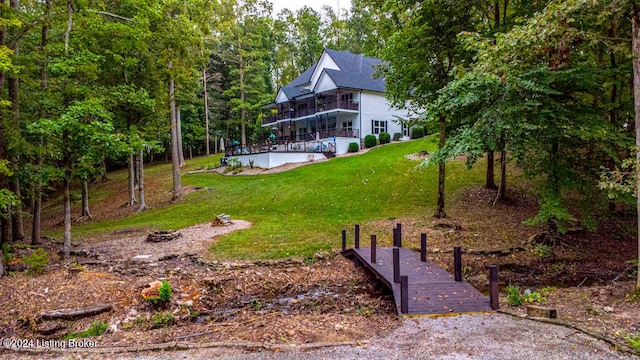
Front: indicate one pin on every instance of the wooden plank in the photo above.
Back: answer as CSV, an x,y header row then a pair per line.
x,y
431,289
540,311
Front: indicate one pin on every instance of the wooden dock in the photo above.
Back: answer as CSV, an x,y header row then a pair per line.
x,y
427,289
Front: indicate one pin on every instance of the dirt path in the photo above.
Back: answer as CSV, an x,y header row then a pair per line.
x,y
193,239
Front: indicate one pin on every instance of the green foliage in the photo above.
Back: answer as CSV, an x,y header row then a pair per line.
x,y
513,295
353,147
514,298
96,328
370,141
163,319
37,261
634,296
417,133
256,304
165,291
233,165
397,136
542,250
6,251
384,137
634,341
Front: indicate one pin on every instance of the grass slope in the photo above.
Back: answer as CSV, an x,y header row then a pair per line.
x,y
301,211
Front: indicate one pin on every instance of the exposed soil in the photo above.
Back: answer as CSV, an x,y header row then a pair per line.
x,y
324,299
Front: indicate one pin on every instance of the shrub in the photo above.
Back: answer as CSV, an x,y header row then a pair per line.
x,y
353,147
163,319
384,137
397,136
513,295
97,328
37,261
165,291
417,133
370,141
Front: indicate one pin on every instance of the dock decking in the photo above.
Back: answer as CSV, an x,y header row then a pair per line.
x,y
429,289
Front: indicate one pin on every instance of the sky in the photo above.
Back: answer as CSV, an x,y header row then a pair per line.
x,y
316,5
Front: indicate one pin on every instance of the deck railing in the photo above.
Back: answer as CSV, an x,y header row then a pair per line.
x,y
326,106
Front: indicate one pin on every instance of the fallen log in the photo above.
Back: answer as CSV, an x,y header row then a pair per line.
x,y
69,314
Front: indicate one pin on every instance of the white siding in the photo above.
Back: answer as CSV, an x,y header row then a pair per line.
x,y
326,62
373,106
275,159
281,97
324,84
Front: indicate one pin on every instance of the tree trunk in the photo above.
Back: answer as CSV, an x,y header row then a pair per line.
x,y
175,158
132,181
636,103
440,213
206,112
179,128
490,182
37,216
5,223
66,245
502,190
85,200
141,203
243,111
17,225
37,191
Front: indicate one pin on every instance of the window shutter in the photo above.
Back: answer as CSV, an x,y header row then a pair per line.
x,y
385,126
372,128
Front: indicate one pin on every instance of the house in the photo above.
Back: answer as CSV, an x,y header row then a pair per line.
x,y
335,102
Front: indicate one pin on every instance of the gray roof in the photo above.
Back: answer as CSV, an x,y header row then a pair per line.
x,y
292,92
356,72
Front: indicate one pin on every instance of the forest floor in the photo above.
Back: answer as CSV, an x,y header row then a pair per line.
x,y
319,299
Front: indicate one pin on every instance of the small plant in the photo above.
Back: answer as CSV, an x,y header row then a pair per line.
x,y
37,261
384,137
634,296
97,328
547,290
6,250
370,141
513,295
165,291
542,250
534,297
164,319
466,270
310,261
363,310
417,133
634,341
256,304
353,147
397,136
251,162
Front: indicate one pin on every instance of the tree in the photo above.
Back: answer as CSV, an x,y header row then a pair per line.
x,y
421,55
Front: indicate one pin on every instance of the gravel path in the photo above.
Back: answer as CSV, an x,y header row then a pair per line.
x,y
490,336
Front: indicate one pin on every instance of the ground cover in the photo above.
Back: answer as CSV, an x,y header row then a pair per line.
x,y
298,214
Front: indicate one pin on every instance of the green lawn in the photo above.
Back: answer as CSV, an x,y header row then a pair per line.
x,y
299,212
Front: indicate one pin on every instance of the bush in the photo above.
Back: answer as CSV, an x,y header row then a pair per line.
x,y
37,261
384,137
97,328
513,295
370,141
417,133
163,319
353,147
397,136
165,291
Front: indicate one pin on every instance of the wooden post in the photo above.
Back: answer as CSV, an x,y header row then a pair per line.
x,y
457,263
404,294
395,236
493,287
374,244
396,265
344,240
423,247
399,230
357,239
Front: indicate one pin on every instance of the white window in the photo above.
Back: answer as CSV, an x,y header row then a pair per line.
x,y
378,126
347,125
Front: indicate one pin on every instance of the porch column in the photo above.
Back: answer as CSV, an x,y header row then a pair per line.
x,y
338,97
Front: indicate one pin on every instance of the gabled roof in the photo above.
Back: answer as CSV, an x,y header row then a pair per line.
x,y
304,78
356,72
293,92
